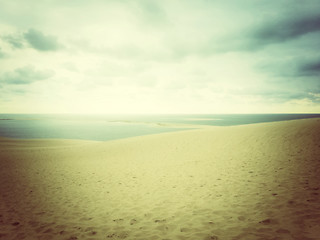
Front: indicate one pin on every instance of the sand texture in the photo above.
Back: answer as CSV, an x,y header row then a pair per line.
x,y
259,181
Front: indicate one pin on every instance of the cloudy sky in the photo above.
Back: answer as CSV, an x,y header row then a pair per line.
x,y
166,56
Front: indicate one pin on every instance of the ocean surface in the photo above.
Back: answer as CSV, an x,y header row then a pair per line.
x,y
110,127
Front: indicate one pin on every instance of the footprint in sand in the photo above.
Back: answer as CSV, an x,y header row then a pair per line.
x,y
184,230
160,221
85,219
117,235
133,221
162,228
212,238
92,233
120,220
268,221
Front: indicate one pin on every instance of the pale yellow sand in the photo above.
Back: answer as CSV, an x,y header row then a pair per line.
x,y
245,182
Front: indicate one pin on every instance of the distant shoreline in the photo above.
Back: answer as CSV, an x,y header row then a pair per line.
x,y
106,127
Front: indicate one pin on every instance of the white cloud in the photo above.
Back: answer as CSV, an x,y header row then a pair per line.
x,y
158,56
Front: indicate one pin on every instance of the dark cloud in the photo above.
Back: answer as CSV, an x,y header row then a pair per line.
x,y
293,68
310,68
285,30
25,75
33,37
16,41
40,41
285,96
280,95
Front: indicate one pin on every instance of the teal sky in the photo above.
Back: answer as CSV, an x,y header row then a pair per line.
x,y
168,56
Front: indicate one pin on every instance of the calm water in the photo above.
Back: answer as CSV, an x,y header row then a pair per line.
x,y
109,127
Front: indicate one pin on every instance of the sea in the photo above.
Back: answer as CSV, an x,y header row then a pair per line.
x,y
111,127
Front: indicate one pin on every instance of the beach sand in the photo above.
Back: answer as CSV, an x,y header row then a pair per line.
x,y
259,181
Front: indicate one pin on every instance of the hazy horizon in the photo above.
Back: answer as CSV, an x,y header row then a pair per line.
x,y
159,57
103,127
155,113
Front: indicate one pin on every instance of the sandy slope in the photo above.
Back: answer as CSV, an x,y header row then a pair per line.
x,y
257,181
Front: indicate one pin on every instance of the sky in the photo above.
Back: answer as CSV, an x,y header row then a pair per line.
x,y
166,56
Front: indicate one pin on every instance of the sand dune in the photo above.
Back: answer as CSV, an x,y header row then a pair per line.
x,y
258,181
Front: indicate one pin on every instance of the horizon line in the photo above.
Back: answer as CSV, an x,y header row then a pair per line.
x,y
260,113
